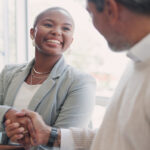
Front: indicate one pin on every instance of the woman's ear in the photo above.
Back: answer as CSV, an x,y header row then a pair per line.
x,y
32,33
112,11
32,36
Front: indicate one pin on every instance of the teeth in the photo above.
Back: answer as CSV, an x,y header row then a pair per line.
x,y
54,41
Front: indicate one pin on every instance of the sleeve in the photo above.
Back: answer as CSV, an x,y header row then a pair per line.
x,y
1,87
3,108
79,103
77,139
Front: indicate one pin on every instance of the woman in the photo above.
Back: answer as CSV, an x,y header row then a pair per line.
x,y
63,96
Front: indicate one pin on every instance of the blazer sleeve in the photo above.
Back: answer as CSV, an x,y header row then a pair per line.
x,y
3,108
77,139
79,103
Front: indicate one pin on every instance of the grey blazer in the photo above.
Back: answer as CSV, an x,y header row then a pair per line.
x,y
65,99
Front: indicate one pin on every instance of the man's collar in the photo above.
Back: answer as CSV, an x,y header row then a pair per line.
x,y
141,51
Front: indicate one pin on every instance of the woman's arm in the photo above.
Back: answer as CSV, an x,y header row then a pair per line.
x,y
79,103
81,138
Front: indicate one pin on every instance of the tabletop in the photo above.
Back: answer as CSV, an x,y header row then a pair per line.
x,y
9,147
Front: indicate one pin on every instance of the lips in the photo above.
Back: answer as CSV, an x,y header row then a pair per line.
x,y
54,41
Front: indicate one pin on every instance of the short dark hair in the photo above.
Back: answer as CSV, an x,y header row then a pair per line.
x,y
49,9
138,6
99,4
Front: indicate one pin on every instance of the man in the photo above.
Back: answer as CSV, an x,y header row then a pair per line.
x,y
126,126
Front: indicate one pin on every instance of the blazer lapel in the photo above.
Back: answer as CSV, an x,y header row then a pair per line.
x,y
16,82
48,84
42,91
40,94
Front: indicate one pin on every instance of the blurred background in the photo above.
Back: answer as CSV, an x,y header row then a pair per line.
x,y
89,51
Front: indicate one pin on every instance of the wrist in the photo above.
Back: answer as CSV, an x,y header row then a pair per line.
x,y
9,113
58,140
54,137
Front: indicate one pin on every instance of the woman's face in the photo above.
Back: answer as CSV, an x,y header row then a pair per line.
x,y
53,32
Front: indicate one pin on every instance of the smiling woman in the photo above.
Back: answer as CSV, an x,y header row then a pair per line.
x,y
52,29
62,95
16,44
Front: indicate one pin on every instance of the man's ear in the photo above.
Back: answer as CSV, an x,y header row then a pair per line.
x,y
32,33
112,11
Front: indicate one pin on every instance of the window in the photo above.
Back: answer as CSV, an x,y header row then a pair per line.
x,y
89,51
8,31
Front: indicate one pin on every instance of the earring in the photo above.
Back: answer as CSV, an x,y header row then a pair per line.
x,y
33,42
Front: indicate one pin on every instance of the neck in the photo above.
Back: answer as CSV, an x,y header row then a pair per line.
x,y
45,63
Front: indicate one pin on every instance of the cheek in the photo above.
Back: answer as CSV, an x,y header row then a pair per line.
x,y
68,40
40,32
39,36
95,23
100,26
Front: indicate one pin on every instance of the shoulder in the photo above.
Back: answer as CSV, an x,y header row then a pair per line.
x,y
78,76
10,70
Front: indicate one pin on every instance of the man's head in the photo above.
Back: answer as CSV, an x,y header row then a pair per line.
x,y
139,6
122,22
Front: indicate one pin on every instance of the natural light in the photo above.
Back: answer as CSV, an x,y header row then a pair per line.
x,y
89,51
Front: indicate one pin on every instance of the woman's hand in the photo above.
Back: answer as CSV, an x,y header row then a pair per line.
x,y
17,128
18,134
41,132
14,131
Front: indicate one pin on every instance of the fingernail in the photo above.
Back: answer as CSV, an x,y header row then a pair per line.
x,y
21,129
7,121
20,136
16,124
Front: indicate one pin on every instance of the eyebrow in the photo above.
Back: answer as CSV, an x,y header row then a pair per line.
x,y
69,24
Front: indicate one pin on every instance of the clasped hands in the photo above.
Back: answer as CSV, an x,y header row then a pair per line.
x,y
26,128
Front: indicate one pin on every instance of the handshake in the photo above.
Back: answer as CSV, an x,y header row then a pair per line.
x,y
28,129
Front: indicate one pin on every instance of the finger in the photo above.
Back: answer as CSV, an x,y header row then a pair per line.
x,y
7,122
32,132
20,114
16,138
27,140
12,126
14,132
33,141
29,113
25,122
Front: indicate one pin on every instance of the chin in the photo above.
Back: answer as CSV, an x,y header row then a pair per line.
x,y
119,47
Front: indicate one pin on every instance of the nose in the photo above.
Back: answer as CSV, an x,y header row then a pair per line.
x,y
56,31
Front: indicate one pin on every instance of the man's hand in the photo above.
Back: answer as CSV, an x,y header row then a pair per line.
x,y
41,132
17,128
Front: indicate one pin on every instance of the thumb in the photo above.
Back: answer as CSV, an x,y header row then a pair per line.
x,y
20,114
28,113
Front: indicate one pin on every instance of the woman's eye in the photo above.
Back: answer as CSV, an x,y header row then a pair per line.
x,y
48,25
66,29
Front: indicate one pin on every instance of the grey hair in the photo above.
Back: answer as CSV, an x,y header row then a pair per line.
x,y
138,6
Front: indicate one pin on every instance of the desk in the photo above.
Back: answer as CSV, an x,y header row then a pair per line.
x,y
7,147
